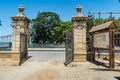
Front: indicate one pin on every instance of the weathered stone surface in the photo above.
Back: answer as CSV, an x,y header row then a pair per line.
x,y
80,57
20,32
20,27
7,58
79,34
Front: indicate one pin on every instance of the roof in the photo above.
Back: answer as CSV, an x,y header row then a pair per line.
x,y
102,26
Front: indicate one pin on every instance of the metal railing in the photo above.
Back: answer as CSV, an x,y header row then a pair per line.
x,y
52,45
5,43
117,39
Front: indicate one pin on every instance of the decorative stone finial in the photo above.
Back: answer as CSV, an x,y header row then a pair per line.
x,y
78,8
21,9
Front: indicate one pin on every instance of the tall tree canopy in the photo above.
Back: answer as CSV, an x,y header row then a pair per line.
x,y
61,30
48,28
43,25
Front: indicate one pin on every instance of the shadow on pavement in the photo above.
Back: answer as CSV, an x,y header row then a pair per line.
x,y
118,78
29,57
104,69
100,63
25,59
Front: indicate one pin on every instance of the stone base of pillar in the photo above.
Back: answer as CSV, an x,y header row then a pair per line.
x,y
9,59
15,58
80,58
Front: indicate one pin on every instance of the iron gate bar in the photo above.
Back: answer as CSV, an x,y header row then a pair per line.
x,y
69,49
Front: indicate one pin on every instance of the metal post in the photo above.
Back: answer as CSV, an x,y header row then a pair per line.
x,y
111,15
111,51
0,39
99,17
93,49
94,18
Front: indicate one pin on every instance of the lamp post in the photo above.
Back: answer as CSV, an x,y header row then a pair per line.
x,y
0,23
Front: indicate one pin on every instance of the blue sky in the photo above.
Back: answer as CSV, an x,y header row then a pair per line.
x,y
65,8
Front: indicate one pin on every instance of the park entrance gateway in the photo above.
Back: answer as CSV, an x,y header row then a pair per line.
x,y
102,37
75,41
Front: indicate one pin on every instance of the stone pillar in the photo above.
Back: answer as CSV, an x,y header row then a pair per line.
x,y
79,35
20,24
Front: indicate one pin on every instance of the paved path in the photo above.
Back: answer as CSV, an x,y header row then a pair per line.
x,y
46,56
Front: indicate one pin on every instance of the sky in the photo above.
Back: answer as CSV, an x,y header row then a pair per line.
x,y
64,8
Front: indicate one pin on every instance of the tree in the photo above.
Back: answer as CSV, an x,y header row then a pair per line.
x,y
90,21
90,24
117,22
42,27
61,30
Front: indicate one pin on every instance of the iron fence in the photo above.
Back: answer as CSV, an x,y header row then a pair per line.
x,y
5,43
46,45
117,39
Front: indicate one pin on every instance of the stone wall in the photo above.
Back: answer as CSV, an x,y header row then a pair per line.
x,y
17,55
9,58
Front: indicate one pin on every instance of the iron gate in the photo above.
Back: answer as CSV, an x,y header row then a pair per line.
x,y
69,49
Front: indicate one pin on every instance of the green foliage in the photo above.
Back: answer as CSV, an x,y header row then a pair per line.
x,y
116,20
61,30
91,22
42,27
94,22
48,28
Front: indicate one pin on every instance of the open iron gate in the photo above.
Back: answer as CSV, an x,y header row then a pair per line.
x,y
69,49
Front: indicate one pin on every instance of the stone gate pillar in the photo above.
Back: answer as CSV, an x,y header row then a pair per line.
x,y
79,35
20,27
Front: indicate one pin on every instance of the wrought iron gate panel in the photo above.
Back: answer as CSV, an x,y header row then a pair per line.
x,y
23,46
69,48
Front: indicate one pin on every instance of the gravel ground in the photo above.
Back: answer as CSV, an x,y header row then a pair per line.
x,y
54,70
37,67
